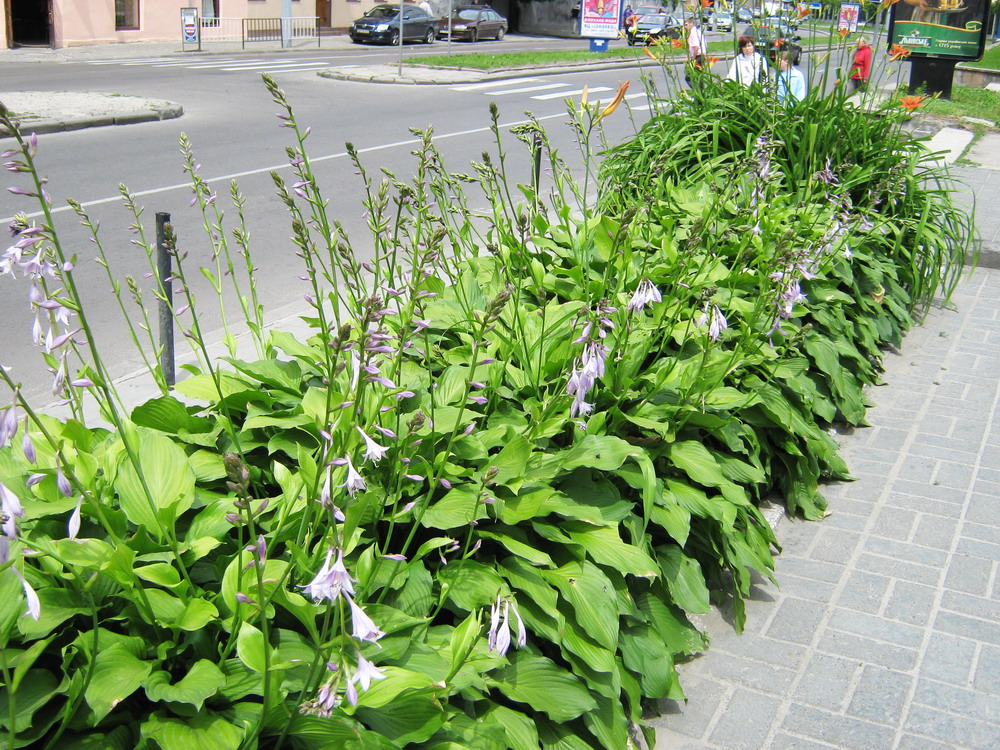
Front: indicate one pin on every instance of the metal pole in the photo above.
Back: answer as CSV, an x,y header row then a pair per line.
x,y
164,272
399,68
286,23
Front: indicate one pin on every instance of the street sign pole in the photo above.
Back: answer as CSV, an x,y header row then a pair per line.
x,y
286,23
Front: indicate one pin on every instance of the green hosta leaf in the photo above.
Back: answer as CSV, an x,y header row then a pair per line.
x,y
512,462
470,584
197,614
162,574
530,581
518,546
117,674
167,414
684,579
397,682
250,647
201,732
412,718
695,460
57,606
203,388
605,546
520,730
37,688
670,624
168,479
202,681
457,509
644,652
592,596
274,373
538,682
92,554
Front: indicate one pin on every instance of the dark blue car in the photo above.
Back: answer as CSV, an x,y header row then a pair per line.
x,y
381,24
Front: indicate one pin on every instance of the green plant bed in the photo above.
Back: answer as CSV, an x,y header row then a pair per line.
x,y
966,102
477,504
991,59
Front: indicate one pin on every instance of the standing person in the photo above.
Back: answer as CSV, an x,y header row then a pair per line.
x,y
695,41
696,48
861,66
426,7
791,84
748,67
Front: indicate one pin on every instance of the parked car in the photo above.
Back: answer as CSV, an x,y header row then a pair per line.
x,y
772,38
381,24
722,21
744,15
654,26
473,22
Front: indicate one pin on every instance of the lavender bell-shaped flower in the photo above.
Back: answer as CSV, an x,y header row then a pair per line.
x,y
373,451
645,293
362,626
354,481
331,581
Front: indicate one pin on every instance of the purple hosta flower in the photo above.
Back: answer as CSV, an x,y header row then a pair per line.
x,y
8,423
243,598
395,557
354,481
826,175
332,580
73,526
362,626
373,451
498,637
385,431
65,488
28,447
381,381
645,294
716,321
414,477
260,551
10,506
366,672
478,399
326,698
789,292
34,606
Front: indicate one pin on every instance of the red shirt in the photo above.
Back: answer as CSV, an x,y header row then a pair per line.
x,y
862,65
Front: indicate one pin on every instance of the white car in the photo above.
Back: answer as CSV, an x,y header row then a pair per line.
x,y
722,21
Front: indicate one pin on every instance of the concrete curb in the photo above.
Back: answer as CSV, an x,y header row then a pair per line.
x,y
62,125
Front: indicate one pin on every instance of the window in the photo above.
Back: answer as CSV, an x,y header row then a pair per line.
x,y
126,14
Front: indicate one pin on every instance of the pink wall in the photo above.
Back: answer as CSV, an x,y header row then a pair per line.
x,y
80,22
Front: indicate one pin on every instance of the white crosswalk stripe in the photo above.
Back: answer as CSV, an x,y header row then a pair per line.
x,y
491,84
571,94
226,64
525,89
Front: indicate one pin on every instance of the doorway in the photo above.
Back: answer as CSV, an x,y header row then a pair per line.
x,y
30,22
323,13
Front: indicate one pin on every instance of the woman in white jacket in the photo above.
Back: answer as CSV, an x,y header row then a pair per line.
x,y
749,66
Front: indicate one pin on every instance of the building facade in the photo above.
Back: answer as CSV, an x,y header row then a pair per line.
x,y
69,23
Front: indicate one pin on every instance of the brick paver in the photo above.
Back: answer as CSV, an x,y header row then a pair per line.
x,y
885,631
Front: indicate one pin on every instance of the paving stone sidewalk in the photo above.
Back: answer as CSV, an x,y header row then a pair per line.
x,y
885,631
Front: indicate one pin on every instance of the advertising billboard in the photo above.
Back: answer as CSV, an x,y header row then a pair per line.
x,y
848,18
599,19
953,29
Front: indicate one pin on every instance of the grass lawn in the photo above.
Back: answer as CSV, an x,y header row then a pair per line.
x,y
480,61
967,101
990,60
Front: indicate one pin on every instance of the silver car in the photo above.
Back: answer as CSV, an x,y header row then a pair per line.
x,y
722,21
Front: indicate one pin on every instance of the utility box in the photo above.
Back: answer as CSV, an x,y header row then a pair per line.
x,y
598,45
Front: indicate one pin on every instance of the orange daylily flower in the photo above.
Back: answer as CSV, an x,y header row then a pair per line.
x,y
713,60
778,43
844,32
649,54
676,43
803,12
622,88
910,103
898,52
887,3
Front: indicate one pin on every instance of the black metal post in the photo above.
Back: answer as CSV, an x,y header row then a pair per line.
x,y
933,74
166,306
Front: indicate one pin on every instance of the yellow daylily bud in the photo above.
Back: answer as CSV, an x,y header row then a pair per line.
x,y
622,88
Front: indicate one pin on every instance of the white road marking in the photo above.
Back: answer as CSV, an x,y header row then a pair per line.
x,y
280,66
285,165
539,87
570,94
491,84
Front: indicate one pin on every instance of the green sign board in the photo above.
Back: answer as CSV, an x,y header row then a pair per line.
x,y
953,29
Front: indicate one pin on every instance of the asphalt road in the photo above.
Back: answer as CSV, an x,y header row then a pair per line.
x,y
229,119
